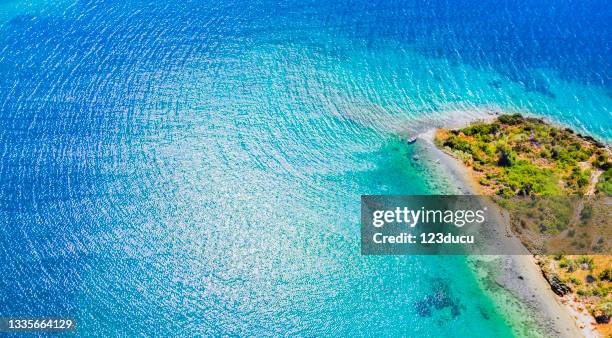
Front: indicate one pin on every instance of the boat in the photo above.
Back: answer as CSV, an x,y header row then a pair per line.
x,y
411,140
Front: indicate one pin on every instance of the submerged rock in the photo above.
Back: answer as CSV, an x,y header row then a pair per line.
x,y
439,299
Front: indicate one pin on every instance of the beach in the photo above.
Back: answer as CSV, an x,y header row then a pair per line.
x,y
515,282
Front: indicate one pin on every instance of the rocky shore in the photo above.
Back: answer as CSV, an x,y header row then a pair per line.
x,y
515,282
518,282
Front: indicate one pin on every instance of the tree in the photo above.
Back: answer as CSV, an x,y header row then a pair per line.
x,y
506,157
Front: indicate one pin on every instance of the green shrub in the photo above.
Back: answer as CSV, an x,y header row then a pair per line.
x,y
565,262
586,213
457,143
529,179
601,291
606,308
511,119
507,157
481,130
586,263
575,280
604,186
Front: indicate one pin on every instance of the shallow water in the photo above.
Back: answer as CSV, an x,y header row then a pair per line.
x,y
197,168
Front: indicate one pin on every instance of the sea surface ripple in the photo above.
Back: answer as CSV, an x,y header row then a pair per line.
x,y
195,168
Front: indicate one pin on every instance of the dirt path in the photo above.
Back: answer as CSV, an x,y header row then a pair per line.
x,y
593,183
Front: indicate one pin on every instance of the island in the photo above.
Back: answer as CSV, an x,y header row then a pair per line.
x,y
512,156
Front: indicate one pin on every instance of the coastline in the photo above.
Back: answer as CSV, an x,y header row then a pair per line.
x,y
515,282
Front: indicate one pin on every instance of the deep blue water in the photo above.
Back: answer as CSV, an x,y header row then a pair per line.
x,y
196,167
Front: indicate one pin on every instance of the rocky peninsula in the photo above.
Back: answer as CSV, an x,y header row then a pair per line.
x,y
512,155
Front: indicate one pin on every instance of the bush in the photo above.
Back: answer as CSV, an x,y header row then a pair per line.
x,y
481,130
566,263
455,142
507,157
601,291
586,213
575,280
489,149
511,119
586,263
606,308
604,186
529,179
602,163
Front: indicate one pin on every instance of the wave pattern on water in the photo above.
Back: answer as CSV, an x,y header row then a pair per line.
x,y
200,164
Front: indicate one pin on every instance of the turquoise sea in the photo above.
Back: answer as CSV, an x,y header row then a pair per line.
x,y
195,168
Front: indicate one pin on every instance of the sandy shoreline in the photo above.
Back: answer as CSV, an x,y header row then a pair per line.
x,y
519,275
